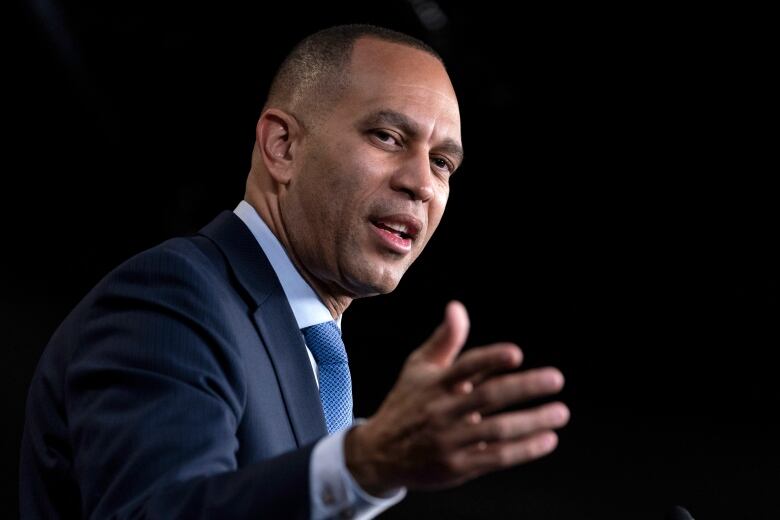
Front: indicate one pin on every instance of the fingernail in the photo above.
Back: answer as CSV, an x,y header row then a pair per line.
x,y
556,379
513,356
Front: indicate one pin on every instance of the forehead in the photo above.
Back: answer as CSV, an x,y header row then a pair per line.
x,y
390,76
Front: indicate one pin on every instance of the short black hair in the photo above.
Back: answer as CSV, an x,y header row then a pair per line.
x,y
314,69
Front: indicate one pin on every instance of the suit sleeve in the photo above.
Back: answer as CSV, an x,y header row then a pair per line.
x,y
154,395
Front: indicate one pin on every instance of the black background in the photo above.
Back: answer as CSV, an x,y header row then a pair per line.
x,y
615,216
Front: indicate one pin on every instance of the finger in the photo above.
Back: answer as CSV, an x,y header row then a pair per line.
x,y
471,365
510,426
448,339
500,392
481,459
483,375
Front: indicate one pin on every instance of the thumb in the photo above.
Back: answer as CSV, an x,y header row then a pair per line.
x,y
448,339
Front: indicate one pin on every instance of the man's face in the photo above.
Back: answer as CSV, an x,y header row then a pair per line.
x,y
372,180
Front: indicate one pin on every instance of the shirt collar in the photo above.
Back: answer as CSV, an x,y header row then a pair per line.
x,y
306,305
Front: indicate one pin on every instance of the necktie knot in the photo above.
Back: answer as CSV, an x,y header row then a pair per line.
x,y
324,341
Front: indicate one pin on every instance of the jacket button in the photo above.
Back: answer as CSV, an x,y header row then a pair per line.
x,y
327,497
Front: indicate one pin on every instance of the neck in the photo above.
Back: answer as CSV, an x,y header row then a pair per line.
x,y
267,207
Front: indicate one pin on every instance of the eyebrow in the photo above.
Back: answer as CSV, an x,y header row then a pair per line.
x,y
412,129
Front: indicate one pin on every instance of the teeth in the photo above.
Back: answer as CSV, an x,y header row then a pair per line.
x,y
401,228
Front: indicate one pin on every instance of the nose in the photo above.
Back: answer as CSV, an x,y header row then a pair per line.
x,y
415,178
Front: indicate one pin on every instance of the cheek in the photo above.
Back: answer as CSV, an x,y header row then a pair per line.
x,y
340,200
436,211
354,185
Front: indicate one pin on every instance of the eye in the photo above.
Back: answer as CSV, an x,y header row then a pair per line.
x,y
442,164
386,137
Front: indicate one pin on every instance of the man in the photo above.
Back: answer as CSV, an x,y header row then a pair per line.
x,y
206,377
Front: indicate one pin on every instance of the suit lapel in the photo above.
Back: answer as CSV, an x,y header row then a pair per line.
x,y
293,368
275,323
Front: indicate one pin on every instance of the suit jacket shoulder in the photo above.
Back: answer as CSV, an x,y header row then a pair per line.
x,y
175,388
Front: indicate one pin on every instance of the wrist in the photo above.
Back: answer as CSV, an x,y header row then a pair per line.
x,y
363,464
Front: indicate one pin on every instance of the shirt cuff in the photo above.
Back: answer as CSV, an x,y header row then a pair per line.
x,y
334,492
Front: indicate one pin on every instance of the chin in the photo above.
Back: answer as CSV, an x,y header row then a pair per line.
x,y
387,286
374,282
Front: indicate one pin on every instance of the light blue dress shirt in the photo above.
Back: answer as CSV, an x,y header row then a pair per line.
x,y
333,490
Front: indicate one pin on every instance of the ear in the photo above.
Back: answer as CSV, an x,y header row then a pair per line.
x,y
277,135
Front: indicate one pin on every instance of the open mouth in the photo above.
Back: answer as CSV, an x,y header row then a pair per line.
x,y
402,225
399,230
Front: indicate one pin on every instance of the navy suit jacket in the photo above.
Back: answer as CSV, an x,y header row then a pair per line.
x,y
179,387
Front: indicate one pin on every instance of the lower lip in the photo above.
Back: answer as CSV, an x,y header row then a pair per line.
x,y
393,241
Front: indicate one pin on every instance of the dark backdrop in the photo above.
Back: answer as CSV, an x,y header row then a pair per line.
x,y
614,216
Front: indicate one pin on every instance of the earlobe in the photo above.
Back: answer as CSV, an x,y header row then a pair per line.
x,y
276,132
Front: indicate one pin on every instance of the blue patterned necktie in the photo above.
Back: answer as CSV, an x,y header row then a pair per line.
x,y
324,342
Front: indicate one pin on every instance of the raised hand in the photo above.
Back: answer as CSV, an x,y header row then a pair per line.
x,y
442,424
